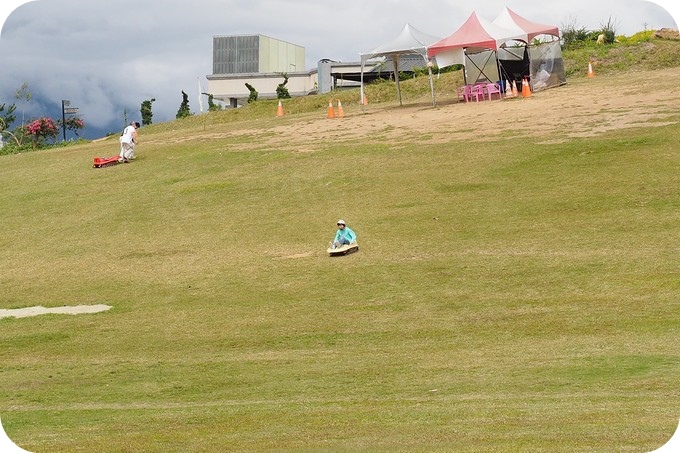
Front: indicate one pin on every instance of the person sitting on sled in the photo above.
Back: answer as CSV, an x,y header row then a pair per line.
x,y
344,236
127,142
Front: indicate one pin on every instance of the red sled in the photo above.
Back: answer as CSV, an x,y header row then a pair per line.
x,y
101,162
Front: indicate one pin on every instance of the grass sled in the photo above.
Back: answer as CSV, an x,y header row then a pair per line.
x,y
101,162
343,249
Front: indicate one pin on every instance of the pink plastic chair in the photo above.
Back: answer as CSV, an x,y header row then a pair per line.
x,y
493,88
477,92
463,93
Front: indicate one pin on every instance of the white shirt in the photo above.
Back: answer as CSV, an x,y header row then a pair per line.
x,y
127,134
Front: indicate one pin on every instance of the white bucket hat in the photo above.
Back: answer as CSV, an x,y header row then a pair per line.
x,y
341,222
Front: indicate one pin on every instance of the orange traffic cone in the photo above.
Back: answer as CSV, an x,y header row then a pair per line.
x,y
526,89
331,112
508,89
279,110
514,89
364,101
341,112
591,73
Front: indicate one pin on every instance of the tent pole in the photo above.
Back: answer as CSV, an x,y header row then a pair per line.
x,y
429,70
500,74
396,77
363,107
465,59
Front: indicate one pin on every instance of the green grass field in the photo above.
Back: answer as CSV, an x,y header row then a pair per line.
x,y
507,296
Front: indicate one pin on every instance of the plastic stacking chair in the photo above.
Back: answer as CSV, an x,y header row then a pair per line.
x,y
463,93
493,88
477,92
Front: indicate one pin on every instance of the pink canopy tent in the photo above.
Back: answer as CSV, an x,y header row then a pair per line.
x,y
476,34
511,20
501,50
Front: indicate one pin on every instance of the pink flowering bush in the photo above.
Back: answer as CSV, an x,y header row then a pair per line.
x,y
74,124
42,129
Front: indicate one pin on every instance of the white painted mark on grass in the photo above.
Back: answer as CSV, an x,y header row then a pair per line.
x,y
66,310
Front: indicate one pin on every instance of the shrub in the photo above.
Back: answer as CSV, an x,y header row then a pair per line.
x,y
41,130
609,31
281,90
252,97
73,124
212,107
573,34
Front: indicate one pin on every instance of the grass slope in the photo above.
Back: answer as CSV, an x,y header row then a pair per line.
x,y
508,296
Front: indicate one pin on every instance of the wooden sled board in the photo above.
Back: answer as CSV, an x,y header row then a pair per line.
x,y
343,250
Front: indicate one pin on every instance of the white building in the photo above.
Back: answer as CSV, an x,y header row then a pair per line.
x,y
261,61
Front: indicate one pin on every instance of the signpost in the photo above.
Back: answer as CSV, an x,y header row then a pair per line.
x,y
66,110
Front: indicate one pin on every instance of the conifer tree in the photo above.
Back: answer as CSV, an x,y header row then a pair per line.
x,y
253,93
184,110
147,114
281,90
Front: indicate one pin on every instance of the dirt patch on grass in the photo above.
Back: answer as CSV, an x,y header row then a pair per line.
x,y
584,107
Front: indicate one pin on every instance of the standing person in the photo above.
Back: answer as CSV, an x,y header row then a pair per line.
x,y
344,236
127,142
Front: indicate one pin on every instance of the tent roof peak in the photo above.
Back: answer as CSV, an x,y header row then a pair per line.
x,y
510,19
409,41
477,32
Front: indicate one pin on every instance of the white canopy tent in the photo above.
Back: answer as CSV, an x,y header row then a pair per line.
x,y
546,67
410,41
511,20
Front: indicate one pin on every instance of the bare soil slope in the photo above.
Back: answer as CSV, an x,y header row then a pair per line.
x,y
581,108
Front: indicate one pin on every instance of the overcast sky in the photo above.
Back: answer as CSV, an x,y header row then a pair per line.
x,y
107,56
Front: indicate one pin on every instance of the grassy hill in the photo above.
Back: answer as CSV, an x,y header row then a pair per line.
x,y
515,291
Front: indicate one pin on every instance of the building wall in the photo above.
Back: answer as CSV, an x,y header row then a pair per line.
x,y
326,77
280,56
247,54
225,87
236,54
